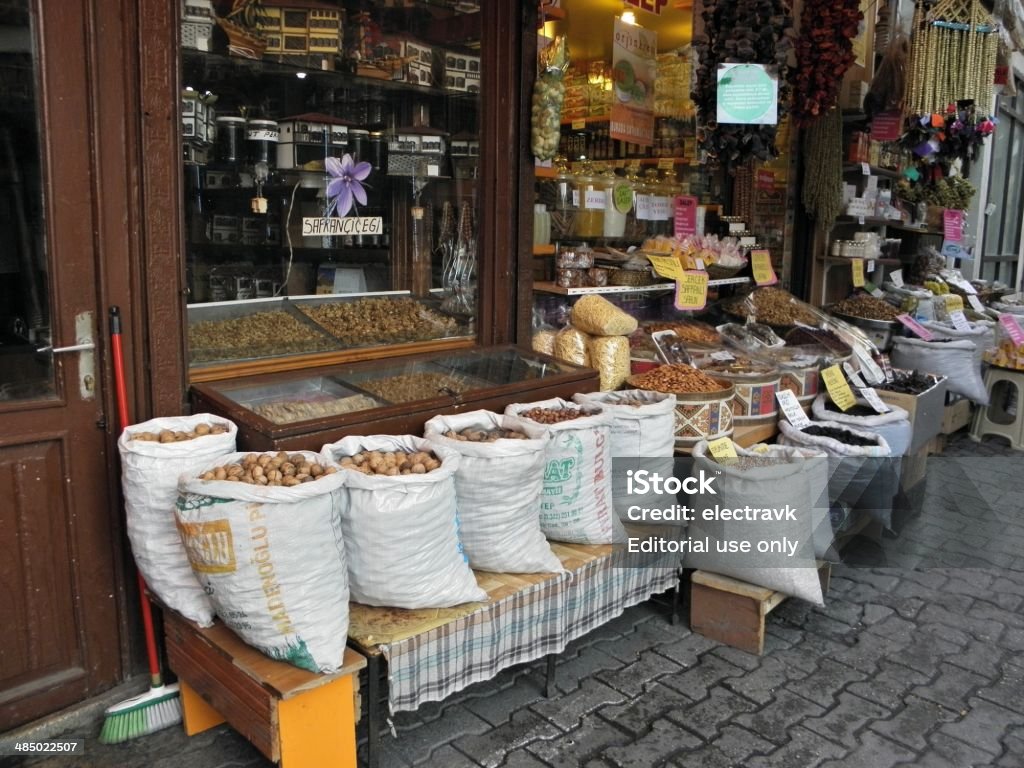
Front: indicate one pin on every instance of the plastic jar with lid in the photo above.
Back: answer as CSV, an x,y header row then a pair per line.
x,y
618,199
590,198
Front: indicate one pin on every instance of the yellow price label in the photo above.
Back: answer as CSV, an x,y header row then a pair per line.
x,y
838,389
857,268
666,164
579,125
667,266
954,302
764,272
692,290
723,448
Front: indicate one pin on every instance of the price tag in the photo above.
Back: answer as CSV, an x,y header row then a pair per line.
x,y
873,289
975,302
579,125
667,266
764,272
699,263
865,169
868,368
791,409
644,204
896,276
870,266
837,387
1012,328
869,394
853,376
915,327
692,290
433,170
886,367
593,199
960,321
666,163
857,270
722,355
723,448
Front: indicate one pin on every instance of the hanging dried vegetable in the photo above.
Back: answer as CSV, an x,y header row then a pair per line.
x,y
548,95
824,51
746,32
888,90
823,168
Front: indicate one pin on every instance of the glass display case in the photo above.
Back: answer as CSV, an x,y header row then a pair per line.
x,y
305,409
330,149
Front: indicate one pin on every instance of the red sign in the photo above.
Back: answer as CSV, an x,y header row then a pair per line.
x,y
651,6
685,216
766,180
887,126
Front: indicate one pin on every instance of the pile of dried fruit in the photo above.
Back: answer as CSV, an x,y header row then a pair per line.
x,y
867,307
288,411
485,435
173,436
382,321
774,306
262,334
270,469
552,415
807,336
416,386
691,331
824,51
677,378
391,463
909,382
842,435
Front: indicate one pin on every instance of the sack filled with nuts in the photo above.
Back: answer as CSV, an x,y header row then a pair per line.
x,y
153,455
402,526
576,503
571,346
643,437
499,522
610,356
598,316
263,533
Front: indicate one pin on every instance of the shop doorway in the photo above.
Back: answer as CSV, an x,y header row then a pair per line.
x,y
60,637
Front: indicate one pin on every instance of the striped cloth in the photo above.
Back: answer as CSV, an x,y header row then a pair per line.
x,y
522,627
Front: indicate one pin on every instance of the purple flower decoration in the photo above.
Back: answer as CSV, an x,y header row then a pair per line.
x,y
345,186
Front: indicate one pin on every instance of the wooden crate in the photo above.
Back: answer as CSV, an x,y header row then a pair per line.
x,y
298,718
733,612
956,416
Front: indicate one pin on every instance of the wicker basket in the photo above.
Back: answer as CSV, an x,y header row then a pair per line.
x,y
634,278
718,272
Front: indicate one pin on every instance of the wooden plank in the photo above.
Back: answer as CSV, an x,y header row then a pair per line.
x,y
732,619
318,727
728,584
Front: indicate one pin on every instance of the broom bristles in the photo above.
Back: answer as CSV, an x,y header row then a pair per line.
x,y
141,715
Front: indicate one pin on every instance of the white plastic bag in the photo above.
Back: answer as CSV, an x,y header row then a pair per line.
x,y
497,490
402,532
894,426
785,486
149,479
272,560
954,359
576,504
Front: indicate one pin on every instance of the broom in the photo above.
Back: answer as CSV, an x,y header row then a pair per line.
x,y
160,706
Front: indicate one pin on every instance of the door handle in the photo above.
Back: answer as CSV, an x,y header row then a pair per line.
x,y
73,348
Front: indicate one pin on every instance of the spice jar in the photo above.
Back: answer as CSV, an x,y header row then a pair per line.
x,y
636,228
563,217
261,138
229,139
590,197
615,210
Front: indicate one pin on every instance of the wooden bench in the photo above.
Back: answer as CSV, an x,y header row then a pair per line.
x,y
295,717
733,612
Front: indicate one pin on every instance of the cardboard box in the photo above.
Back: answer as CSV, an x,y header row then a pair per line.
x,y
926,411
913,468
956,415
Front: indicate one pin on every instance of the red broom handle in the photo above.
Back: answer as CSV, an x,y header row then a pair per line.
x,y
121,397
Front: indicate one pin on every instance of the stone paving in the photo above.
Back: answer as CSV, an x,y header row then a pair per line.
x,y
906,665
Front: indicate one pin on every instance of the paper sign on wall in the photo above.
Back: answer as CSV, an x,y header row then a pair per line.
x,y
915,327
764,272
634,70
747,95
692,290
857,270
837,387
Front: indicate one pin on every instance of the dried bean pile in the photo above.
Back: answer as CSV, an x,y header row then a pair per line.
x,y
485,435
740,31
677,378
270,469
552,415
867,307
391,463
261,334
909,383
842,435
415,386
381,321
177,436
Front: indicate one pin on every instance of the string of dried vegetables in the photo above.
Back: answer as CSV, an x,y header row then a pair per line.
x,y
823,168
824,51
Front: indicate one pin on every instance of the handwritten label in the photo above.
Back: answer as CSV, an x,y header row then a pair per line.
x,y
593,199
869,394
870,266
1012,328
791,409
869,369
952,225
665,164
667,266
975,302
960,321
915,327
685,220
865,169
764,272
853,376
692,290
643,207
857,270
897,277
349,225
579,125
886,368
837,387
723,448
661,208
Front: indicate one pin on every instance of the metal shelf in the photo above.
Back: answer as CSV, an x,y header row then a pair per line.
x,y
657,287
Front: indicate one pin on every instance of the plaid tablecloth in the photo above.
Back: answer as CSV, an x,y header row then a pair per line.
x,y
524,626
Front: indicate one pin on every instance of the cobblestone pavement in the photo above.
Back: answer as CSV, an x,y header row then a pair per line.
x,y
905,666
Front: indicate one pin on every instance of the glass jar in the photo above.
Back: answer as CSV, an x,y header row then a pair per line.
x,y
661,204
261,139
636,228
229,139
563,217
590,198
541,225
615,212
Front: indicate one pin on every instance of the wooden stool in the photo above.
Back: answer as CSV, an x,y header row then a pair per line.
x,y
295,717
995,419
